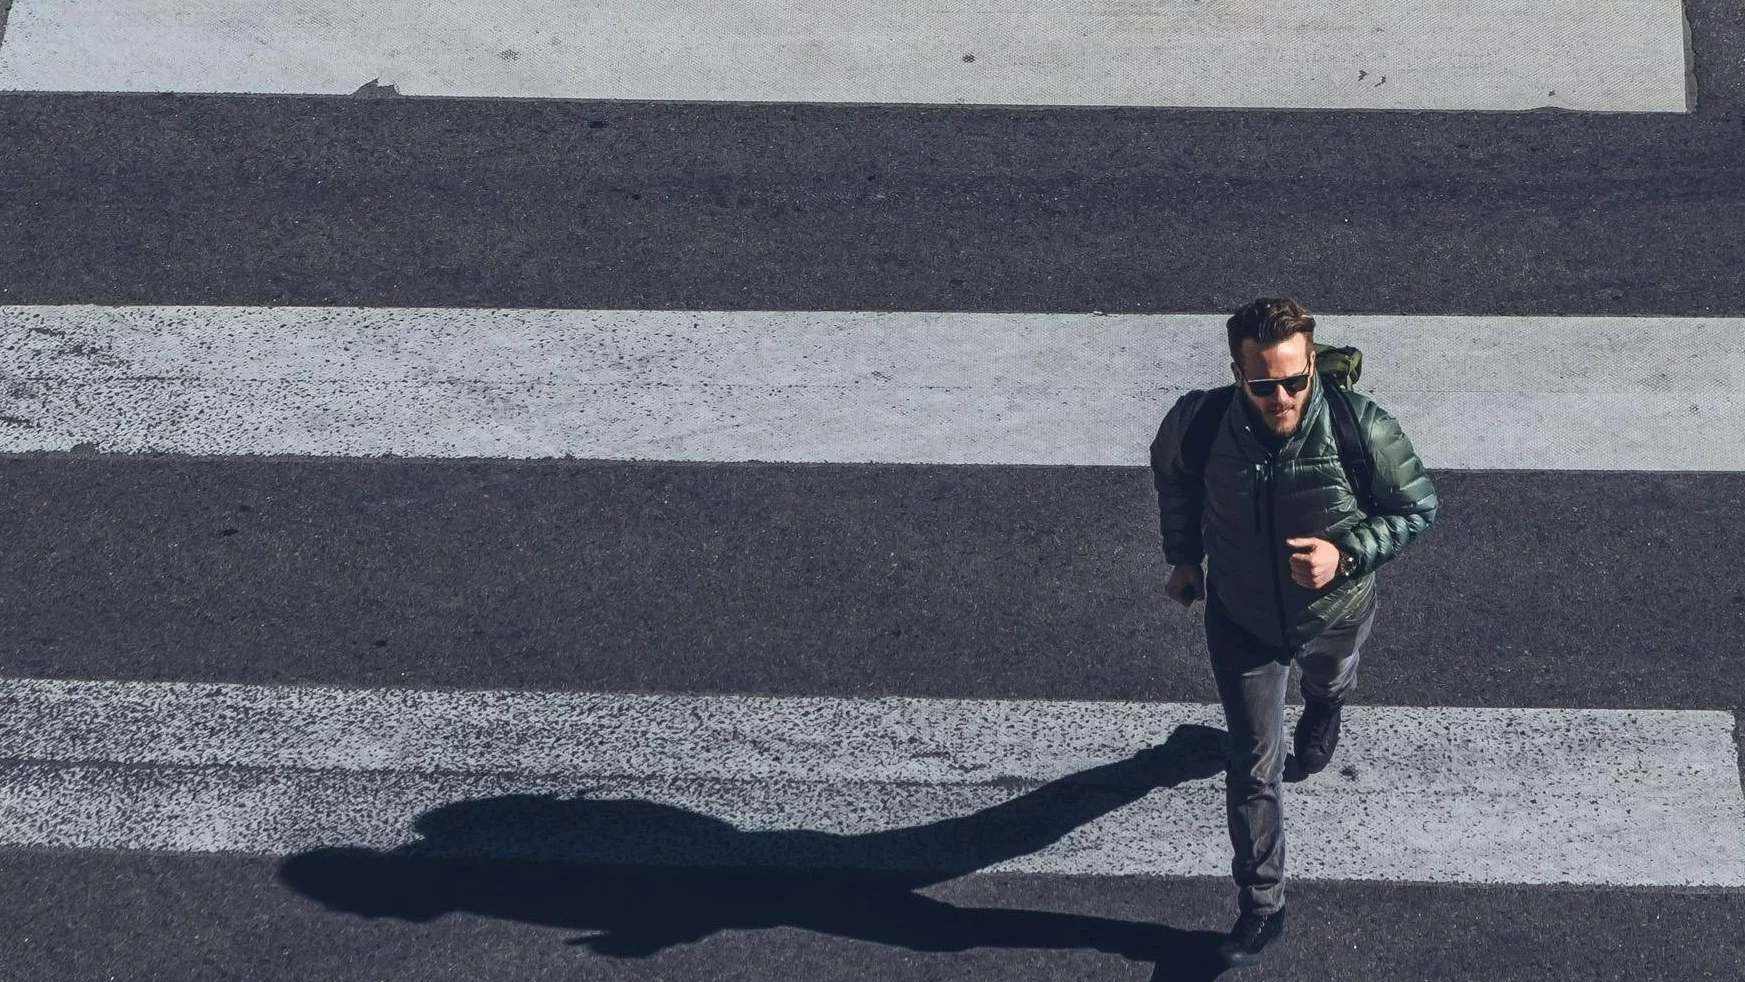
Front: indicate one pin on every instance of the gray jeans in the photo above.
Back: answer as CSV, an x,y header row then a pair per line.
x,y
1251,677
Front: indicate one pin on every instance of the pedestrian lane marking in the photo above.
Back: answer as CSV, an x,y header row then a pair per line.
x,y
1508,393
1423,794
1621,55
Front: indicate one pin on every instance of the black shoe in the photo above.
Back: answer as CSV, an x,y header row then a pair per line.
x,y
1317,734
1251,933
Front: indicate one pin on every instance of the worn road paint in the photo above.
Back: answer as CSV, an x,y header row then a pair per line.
x,y
1623,55
1527,393
1588,796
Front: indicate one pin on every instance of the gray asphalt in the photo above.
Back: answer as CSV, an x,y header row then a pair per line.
x,y
1533,589
99,916
384,201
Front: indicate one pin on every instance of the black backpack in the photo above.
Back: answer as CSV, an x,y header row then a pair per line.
x,y
1340,368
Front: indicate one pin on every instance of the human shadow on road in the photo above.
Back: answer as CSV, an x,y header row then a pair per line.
x,y
642,876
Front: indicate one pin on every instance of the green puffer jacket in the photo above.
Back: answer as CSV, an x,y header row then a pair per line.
x,y
1256,497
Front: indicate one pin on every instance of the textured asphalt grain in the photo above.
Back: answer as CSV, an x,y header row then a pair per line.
x,y
537,203
1534,589
196,917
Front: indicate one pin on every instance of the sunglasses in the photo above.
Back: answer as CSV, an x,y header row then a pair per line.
x,y
1264,387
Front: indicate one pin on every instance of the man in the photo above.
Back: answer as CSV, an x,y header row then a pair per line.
x,y
1290,556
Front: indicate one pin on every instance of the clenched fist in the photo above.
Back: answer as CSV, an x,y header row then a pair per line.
x,y
1314,561
1187,583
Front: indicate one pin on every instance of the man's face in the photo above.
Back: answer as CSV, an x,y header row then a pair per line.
x,y
1292,356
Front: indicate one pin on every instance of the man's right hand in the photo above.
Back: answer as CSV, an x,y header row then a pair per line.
x,y
1187,583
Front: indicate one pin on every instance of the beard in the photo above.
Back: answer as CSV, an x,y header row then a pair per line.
x,y
1284,427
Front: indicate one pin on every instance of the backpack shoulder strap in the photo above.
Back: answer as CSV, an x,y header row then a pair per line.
x,y
1197,444
1353,448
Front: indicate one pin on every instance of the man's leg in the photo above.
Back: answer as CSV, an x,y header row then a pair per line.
x,y
1330,660
1251,678
1329,665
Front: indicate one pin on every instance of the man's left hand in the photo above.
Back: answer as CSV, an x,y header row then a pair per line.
x,y
1314,561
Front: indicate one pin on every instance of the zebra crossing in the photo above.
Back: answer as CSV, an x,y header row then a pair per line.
x,y
1482,795
826,387
1628,55
723,530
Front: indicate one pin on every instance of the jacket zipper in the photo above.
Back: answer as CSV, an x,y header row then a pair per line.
x,y
1272,538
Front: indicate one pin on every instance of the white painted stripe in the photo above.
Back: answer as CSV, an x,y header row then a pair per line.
x,y
1411,54
1556,393
1621,797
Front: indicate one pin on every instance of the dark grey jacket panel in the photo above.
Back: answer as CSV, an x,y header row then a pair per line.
x,y
1254,497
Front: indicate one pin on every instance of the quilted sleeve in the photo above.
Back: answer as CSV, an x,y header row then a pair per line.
x,y
1404,499
1179,496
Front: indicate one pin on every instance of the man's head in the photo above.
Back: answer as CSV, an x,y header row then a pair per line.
x,y
1271,339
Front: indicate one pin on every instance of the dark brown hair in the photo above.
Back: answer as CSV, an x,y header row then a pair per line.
x,y
1268,320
